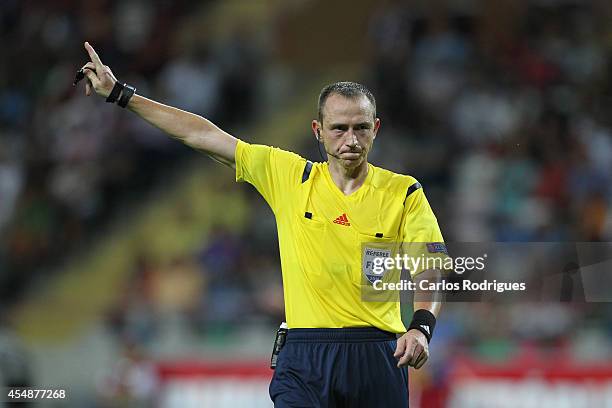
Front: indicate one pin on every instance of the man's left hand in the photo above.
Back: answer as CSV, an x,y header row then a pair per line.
x,y
412,349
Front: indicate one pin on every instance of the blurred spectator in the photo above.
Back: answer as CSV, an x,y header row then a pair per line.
x,y
437,67
14,359
191,81
132,381
133,318
11,177
241,61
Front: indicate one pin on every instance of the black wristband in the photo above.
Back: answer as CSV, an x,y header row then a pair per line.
x,y
112,97
423,321
128,92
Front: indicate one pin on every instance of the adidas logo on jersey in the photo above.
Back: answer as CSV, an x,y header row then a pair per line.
x,y
342,220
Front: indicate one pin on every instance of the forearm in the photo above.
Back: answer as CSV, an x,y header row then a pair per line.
x,y
191,129
426,304
433,306
428,299
175,122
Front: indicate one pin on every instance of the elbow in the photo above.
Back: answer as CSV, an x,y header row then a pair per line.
x,y
200,136
196,139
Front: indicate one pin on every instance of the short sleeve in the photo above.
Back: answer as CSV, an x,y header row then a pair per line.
x,y
272,171
421,235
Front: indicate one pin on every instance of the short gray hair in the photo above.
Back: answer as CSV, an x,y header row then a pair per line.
x,y
348,90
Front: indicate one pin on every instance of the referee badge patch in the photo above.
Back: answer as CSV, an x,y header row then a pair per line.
x,y
372,262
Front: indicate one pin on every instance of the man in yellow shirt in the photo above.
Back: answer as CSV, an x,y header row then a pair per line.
x,y
345,346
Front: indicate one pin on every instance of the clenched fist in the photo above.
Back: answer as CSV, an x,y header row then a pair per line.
x,y
412,349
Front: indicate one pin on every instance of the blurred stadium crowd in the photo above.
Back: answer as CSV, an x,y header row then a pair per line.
x,y
505,114
501,111
69,163
510,119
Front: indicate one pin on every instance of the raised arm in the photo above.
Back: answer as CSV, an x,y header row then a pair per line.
x,y
191,129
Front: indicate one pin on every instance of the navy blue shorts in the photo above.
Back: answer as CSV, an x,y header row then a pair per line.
x,y
352,367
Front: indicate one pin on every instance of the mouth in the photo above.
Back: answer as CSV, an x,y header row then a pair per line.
x,y
350,155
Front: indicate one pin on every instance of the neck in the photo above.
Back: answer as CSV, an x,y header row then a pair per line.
x,y
347,180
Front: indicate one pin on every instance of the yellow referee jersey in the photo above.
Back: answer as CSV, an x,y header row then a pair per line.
x,y
323,234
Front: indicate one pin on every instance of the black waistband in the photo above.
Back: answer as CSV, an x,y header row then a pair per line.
x,y
343,335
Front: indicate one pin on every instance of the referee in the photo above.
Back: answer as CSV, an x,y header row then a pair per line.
x,y
341,350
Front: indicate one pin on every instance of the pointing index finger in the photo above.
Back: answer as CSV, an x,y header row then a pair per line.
x,y
94,56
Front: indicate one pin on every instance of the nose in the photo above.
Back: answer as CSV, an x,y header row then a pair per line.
x,y
351,138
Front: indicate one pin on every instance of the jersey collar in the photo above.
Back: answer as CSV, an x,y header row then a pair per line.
x,y
355,195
